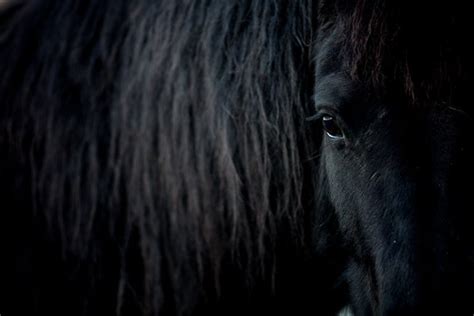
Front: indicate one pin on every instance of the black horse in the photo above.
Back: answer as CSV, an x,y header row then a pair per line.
x,y
228,157
392,93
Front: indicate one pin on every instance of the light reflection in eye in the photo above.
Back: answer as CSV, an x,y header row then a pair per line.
x,y
331,127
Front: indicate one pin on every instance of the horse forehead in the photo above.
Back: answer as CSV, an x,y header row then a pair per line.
x,y
333,88
329,52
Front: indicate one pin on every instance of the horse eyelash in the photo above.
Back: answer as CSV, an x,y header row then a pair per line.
x,y
315,117
320,112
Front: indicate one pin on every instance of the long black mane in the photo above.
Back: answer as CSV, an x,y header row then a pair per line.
x,y
157,141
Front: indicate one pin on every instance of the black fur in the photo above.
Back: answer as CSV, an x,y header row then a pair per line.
x,y
396,77
162,152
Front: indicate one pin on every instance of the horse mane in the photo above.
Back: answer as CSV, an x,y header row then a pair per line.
x,y
416,49
168,132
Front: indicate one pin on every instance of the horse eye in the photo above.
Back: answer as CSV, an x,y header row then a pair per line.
x,y
331,127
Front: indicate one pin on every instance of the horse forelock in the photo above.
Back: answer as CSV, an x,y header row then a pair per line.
x,y
414,49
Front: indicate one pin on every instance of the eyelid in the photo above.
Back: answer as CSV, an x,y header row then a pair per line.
x,y
326,108
315,117
322,110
